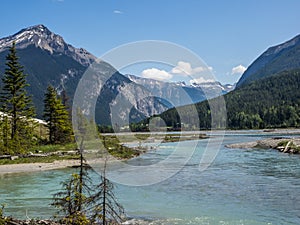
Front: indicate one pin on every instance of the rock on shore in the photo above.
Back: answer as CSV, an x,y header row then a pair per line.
x,y
286,145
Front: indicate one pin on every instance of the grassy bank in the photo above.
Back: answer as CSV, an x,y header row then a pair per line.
x,y
115,144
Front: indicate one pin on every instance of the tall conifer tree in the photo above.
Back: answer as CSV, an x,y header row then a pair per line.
x,y
57,118
16,104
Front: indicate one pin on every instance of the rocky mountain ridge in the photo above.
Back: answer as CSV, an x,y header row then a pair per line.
x,y
195,92
276,59
41,37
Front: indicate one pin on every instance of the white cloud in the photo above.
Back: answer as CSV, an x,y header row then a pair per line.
x,y
185,68
210,68
181,69
117,12
238,70
201,80
156,74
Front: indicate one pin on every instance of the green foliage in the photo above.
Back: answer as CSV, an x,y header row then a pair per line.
x,y
77,218
54,148
290,145
70,200
57,118
116,149
48,159
283,143
5,137
139,127
45,68
16,122
3,220
105,129
267,103
76,202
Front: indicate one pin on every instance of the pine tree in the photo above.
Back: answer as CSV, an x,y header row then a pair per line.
x,y
57,118
65,98
108,209
76,199
72,203
4,128
82,201
16,104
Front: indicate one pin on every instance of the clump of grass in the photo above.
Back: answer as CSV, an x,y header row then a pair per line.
x,y
115,148
54,148
183,137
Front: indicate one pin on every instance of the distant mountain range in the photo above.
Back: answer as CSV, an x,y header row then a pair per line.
x,y
195,92
267,95
48,59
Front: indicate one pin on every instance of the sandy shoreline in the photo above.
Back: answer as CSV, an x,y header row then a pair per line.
x,y
58,164
36,167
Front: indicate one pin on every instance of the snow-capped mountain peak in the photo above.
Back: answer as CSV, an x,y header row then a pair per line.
x,y
40,36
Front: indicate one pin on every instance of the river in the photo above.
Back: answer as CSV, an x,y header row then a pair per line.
x,y
241,186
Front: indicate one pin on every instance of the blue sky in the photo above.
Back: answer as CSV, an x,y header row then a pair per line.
x,y
225,34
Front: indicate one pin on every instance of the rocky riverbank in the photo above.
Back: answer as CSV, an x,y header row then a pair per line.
x,y
286,145
49,222
30,222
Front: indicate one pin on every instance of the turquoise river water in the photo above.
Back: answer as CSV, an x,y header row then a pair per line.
x,y
241,186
